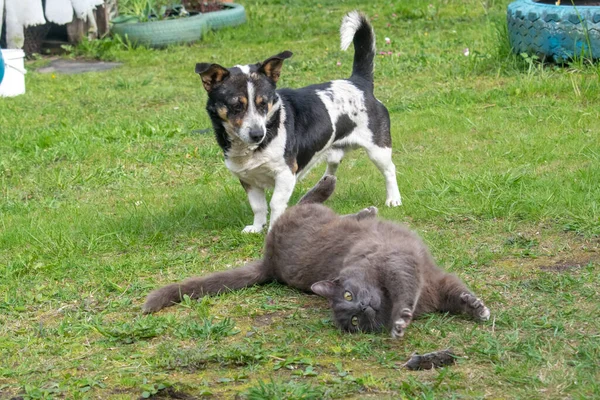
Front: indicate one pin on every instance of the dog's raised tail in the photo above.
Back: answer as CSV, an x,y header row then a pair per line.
x,y
357,29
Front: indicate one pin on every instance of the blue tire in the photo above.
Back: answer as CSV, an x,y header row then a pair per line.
x,y
554,32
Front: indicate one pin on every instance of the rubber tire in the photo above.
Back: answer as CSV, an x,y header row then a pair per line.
x,y
181,30
554,32
233,15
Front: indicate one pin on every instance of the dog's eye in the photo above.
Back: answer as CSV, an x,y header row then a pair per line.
x,y
348,295
354,321
261,106
261,103
237,106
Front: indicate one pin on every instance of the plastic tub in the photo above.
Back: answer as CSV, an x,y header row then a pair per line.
x,y
13,83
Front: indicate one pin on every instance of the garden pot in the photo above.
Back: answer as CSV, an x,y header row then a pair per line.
x,y
13,82
555,32
1,67
180,30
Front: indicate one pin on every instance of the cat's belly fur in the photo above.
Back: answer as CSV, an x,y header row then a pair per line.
x,y
308,258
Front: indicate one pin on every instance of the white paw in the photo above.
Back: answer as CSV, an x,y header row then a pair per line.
x,y
253,229
478,309
398,329
484,315
393,202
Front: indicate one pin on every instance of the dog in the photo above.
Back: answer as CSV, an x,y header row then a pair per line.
x,y
271,137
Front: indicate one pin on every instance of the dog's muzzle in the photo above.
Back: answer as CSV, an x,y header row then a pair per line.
x,y
256,134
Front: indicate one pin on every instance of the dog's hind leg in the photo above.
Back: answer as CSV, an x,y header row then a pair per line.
x,y
382,158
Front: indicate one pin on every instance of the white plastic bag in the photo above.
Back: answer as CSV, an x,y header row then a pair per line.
x,y
59,11
20,14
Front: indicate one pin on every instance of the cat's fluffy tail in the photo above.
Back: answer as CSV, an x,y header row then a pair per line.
x,y
320,192
223,281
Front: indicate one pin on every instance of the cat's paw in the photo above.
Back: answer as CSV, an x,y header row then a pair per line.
x,y
253,229
369,212
398,329
475,307
401,323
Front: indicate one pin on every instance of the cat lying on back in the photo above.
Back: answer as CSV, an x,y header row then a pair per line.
x,y
376,274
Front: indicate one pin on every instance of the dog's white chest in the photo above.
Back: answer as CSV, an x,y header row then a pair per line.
x,y
256,171
258,168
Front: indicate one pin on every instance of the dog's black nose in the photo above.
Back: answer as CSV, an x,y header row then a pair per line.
x,y
256,134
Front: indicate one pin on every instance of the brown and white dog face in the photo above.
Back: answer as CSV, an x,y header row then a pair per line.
x,y
243,97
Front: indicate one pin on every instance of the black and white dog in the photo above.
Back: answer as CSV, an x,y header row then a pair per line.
x,y
272,137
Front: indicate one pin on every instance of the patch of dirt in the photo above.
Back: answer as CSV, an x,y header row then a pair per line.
x,y
563,266
562,257
77,66
263,320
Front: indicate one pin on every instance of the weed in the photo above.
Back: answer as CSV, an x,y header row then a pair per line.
x,y
207,329
275,390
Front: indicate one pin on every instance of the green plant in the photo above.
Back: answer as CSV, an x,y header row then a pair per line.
x,y
106,48
291,390
142,328
148,10
207,329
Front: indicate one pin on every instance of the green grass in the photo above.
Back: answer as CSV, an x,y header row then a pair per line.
x,y
108,190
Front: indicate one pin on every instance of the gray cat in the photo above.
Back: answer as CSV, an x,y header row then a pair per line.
x,y
376,274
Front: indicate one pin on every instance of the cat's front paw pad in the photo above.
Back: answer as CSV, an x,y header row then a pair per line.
x,y
401,323
398,329
253,229
476,307
370,211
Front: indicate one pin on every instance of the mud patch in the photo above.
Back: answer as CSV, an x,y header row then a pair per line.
x,y
263,320
70,67
563,266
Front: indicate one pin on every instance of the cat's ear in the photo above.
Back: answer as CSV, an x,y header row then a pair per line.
x,y
326,289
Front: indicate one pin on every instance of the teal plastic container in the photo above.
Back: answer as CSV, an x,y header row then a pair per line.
x,y
1,67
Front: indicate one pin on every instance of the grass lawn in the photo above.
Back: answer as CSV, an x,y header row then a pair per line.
x,y
109,188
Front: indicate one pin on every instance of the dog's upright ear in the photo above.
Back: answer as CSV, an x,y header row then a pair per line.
x,y
271,67
211,74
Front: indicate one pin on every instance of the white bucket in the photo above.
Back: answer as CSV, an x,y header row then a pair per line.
x,y
13,83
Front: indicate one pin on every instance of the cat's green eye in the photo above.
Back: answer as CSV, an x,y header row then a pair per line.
x,y
348,295
354,321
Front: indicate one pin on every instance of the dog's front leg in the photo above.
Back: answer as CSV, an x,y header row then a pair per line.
x,y
258,203
284,187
